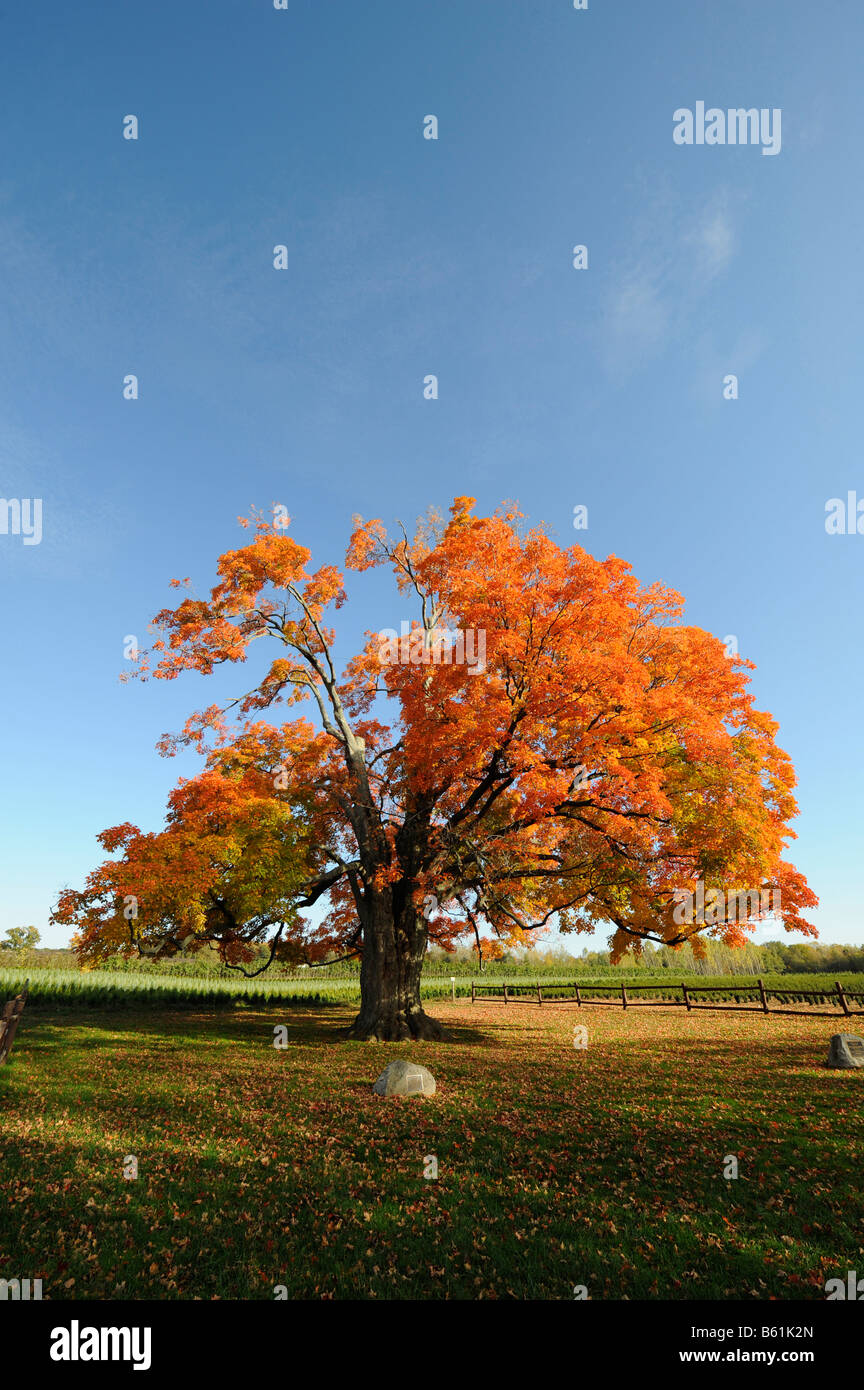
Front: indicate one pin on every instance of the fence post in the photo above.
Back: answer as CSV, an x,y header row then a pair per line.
x,y
841,996
539,993
14,1019
623,997
10,1017
472,991
506,1000
761,984
686,996
578,996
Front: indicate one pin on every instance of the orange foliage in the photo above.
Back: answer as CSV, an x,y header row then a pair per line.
x,y
604,759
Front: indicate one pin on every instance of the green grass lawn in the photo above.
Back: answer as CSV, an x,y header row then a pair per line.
x,y
557,1167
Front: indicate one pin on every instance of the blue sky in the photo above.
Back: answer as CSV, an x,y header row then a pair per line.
x,y
407,256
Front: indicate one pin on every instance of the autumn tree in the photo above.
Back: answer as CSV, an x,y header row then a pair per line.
x,y
227,871
20,939
547,742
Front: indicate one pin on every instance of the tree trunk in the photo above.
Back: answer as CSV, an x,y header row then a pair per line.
x,y
394,944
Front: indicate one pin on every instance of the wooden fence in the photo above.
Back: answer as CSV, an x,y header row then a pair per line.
x,y
10,1016
623,996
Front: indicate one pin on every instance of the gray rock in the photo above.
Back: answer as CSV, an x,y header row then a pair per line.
x,y
846,1051
405,1079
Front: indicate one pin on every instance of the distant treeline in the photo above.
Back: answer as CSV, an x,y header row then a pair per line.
x,y
772,958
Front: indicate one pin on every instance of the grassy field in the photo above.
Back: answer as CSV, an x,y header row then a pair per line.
x,y
556,1167
73,989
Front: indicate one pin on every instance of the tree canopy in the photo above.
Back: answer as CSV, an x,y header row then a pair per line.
x,y
20,939
601,759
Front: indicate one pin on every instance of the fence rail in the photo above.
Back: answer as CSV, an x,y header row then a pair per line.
x,y
10,1017
623,997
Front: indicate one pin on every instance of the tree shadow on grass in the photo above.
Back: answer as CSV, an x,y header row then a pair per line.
x,y
326,1025
334,1217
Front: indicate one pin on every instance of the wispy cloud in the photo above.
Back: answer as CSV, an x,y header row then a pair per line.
x,y
651,298
713,240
